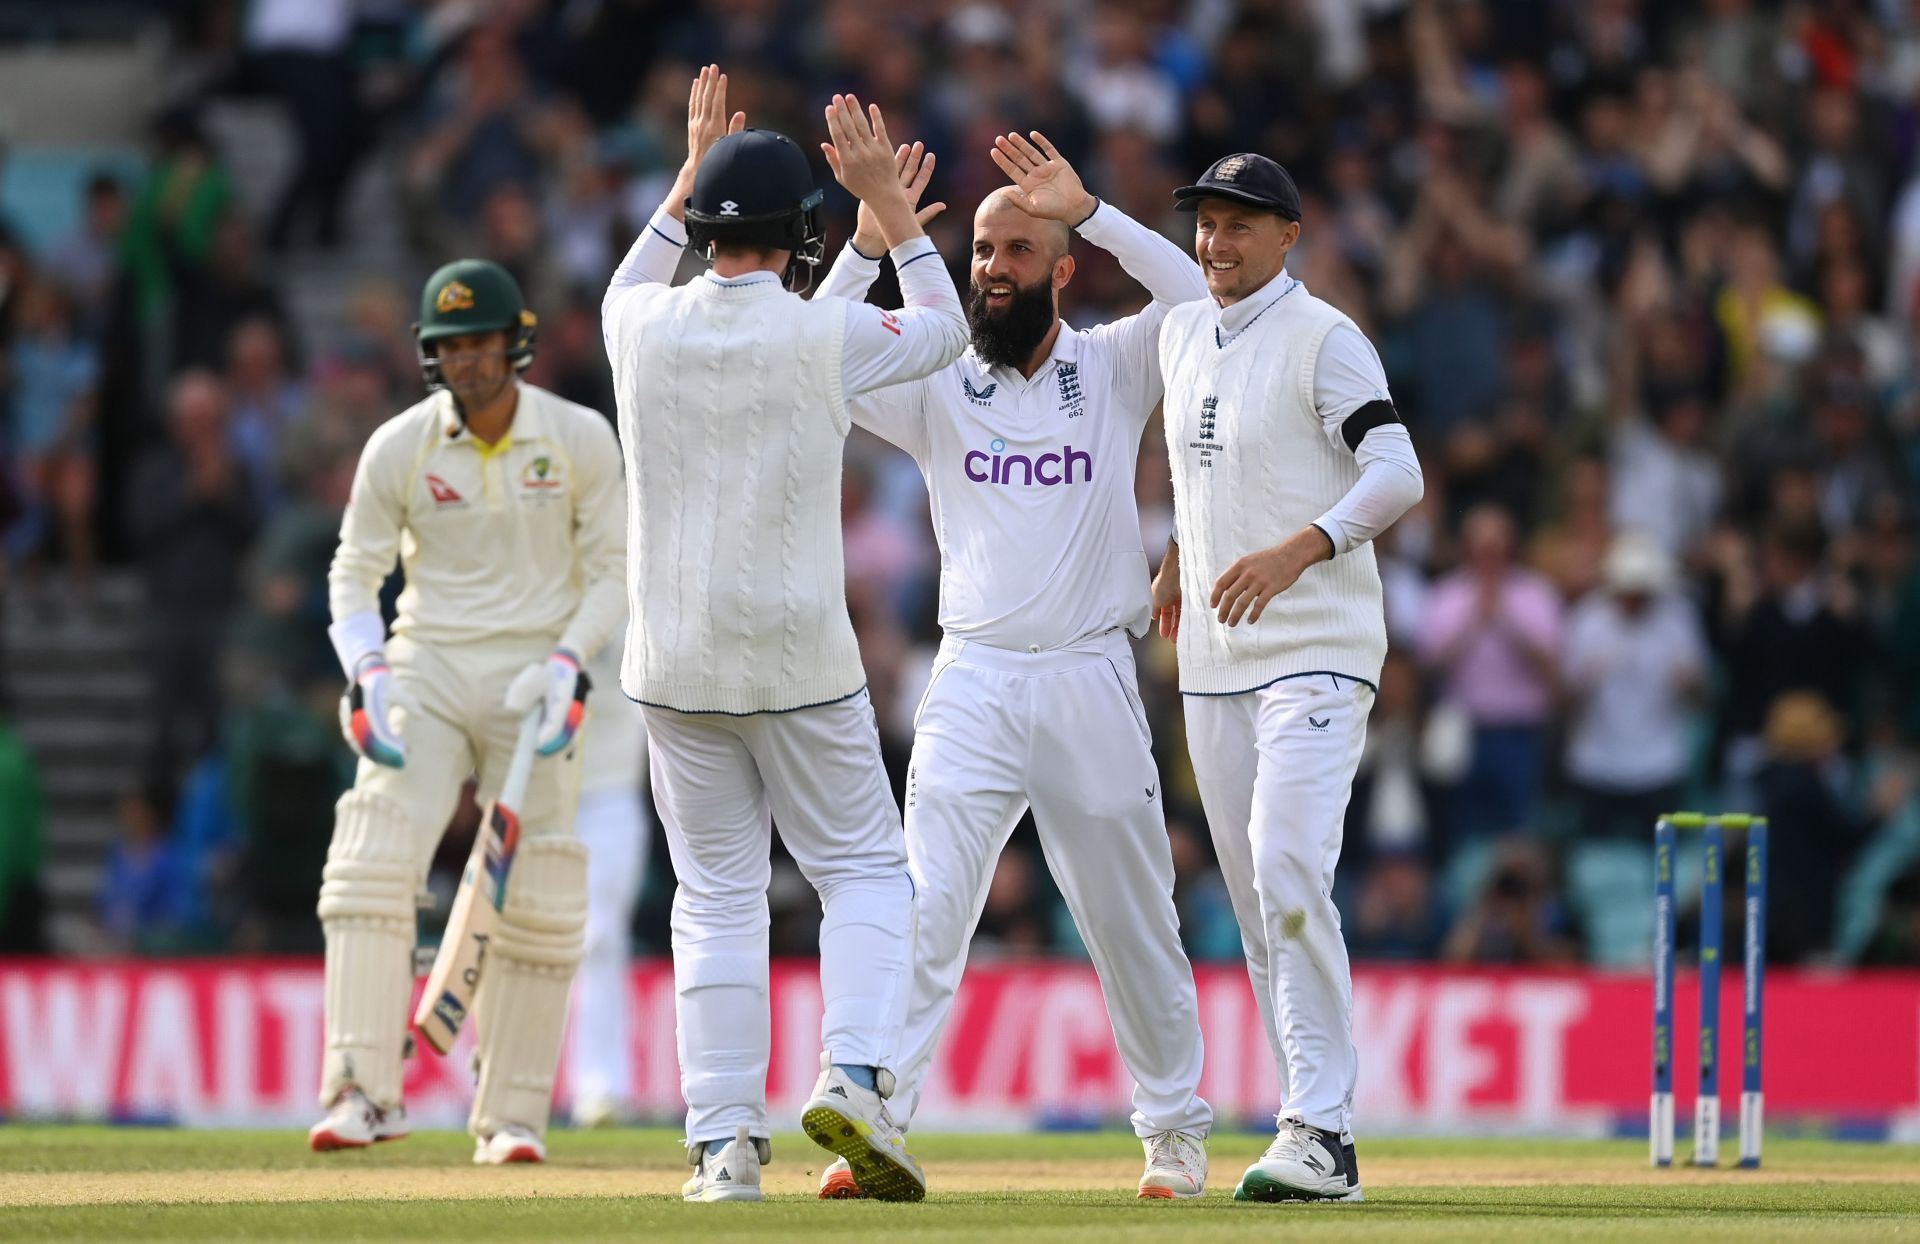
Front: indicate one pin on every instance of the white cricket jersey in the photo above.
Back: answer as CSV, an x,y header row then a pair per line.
x,y
733,417
522,537
1030,479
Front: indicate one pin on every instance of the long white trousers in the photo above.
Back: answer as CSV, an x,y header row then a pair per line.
x,y
1065,732
1275,768
718,783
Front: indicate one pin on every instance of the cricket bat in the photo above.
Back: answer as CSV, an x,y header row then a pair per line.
x,y
476,905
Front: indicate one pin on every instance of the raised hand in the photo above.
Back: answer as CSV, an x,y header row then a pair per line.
x,y
863,160
707,119
860,154
1048,186
914,167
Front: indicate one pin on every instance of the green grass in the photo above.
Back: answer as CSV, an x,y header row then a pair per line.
x,y
177,1185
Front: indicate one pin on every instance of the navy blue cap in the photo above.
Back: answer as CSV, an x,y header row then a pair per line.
x,y
1244,178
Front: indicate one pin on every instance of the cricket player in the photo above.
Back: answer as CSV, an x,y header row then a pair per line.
x,y
504,505
612,823
1028,444
1279,426
733,395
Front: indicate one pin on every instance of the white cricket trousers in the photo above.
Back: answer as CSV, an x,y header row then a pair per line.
x,y
1275,767
1065,732
718,782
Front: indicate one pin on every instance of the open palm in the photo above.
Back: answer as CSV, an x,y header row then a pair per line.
x,y
1048,187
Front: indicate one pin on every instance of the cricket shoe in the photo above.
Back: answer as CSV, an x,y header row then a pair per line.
x,y
516,1142
1302,1164
732,1173
852,1122
838,1184
353,1122
1176,1166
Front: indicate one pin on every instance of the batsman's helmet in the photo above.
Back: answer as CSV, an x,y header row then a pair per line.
x,y
472,296
755,187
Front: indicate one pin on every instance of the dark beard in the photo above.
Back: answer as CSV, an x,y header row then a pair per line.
x,y
1010,337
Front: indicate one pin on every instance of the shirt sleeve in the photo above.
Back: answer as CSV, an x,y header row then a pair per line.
x,y
851,276
651,262
370,529
897,413
1390,484
1169,274
1347,376
887,347
599,540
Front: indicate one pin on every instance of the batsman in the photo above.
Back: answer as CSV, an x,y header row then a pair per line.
x,y
505,506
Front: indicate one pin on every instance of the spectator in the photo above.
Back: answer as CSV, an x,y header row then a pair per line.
x,y
1788,637
193,518
1492,638
216,296
1396,914
87,262
299,50
56,379
1518,918
147,896
22,848
171,228
1803,789
264,399
1635,667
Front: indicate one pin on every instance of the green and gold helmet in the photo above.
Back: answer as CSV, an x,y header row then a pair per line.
x,y
472,296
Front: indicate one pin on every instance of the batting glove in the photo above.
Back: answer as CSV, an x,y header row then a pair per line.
x,y
365,713
560,687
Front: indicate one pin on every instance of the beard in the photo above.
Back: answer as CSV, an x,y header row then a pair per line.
x,y
1010,336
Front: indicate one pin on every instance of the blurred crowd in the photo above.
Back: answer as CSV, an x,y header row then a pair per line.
x,y
1645,277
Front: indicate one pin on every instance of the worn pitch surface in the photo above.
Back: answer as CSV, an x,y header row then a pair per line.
x,y
99,1183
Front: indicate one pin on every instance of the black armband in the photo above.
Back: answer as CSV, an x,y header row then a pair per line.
x,y
1373,415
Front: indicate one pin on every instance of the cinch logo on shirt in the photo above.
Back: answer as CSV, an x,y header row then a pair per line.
x,y
1000,467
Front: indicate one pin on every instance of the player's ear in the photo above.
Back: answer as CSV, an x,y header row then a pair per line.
x,y
1062,271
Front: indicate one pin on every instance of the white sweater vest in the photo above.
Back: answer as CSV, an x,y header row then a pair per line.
x,y
733,421
1252,465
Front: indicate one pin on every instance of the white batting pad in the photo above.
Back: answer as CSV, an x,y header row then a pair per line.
x,y
522,1004
366,910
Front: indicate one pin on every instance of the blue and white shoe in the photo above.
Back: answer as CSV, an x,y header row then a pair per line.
x,y
1302,1164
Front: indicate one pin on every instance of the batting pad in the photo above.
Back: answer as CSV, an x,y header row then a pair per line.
x,y
521,1008
366,909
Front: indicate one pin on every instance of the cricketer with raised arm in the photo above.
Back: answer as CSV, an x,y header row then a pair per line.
x,y
504,505
1028,444
733,396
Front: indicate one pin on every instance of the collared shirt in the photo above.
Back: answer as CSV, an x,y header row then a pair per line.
x,y
522,537
1030,478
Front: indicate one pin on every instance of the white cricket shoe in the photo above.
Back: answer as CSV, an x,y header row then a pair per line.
x,y
1302,1164
516,1142
1176,1166
838,1184
353,1122
853,1123
732,1174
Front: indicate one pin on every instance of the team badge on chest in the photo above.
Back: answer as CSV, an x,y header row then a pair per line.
x,y
1206,440
542,477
